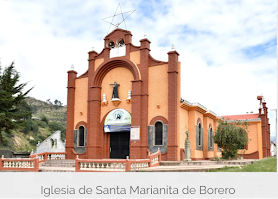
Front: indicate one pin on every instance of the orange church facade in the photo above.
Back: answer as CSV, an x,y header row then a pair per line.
x,y
126,93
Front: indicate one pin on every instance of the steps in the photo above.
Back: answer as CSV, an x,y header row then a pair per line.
x,y
58,163
57,166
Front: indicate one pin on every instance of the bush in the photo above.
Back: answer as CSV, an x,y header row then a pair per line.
x,y
54,126
43,124
44,119
231,137
30,125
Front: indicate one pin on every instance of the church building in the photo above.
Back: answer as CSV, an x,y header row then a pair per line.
x,y
128,104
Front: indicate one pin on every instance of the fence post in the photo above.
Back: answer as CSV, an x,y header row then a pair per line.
x,y
36,165
45,156
1,162
159,157
150,162
77,166
127,165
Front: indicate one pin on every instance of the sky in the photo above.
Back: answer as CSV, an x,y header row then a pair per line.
x,y
228,49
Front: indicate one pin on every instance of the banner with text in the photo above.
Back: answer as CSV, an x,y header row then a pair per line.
x,y
118,120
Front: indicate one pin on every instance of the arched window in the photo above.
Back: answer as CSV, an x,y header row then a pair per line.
x,y
81,136
200,134
211,138
158,133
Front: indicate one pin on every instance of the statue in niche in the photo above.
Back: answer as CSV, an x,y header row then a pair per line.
x,y
115,93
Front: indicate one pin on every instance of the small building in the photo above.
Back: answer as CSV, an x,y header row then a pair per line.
x,y
51,144
273,149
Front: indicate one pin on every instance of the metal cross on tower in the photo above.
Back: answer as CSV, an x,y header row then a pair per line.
x,y
115,14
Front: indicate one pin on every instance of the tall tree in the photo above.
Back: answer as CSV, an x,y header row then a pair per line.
x,y
13,107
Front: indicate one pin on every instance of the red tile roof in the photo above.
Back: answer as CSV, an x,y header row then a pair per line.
x,y
241,117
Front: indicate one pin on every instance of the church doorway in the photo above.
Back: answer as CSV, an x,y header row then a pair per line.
x,y
119,145
118,124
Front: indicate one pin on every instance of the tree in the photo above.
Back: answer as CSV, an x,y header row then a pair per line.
x,y
231,137
13,108
48,101
57,103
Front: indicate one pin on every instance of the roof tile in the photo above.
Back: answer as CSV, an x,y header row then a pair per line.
x,y
241,117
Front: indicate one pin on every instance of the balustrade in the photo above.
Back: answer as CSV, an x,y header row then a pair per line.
x,y
139,165
49,156
102,166
24,164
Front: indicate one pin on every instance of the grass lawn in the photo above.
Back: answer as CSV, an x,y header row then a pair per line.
x,y
264,165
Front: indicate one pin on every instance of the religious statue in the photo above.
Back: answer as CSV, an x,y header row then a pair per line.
x,y
187,155
115,93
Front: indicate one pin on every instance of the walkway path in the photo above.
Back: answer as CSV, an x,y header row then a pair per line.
x,y
165,166
195,166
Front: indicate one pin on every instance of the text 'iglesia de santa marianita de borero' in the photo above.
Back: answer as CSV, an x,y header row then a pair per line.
x,y
129,104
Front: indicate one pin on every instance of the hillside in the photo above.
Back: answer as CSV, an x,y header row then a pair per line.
x,y
48,109
50,118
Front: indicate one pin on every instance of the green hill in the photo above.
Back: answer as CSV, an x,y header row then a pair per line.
x,y
47,117
48,109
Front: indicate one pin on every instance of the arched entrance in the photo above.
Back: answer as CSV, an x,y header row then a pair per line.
x,y
118,124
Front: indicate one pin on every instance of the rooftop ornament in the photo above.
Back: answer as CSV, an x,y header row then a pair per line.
x,y
115,14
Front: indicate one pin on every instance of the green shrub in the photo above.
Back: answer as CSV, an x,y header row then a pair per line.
x,y
5,137
31,125
42,124
54,126
44,119
231,137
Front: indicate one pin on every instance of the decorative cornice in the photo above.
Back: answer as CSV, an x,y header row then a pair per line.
x,y
198,107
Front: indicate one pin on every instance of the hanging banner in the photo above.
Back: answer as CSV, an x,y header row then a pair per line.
x,y
135,133
118,120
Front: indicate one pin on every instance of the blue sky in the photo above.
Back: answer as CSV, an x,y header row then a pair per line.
x,y
227,48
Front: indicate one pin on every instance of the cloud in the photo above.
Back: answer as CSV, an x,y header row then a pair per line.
x,y
227,48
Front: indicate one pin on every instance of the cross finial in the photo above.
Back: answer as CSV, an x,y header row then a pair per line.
x,y
173,47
